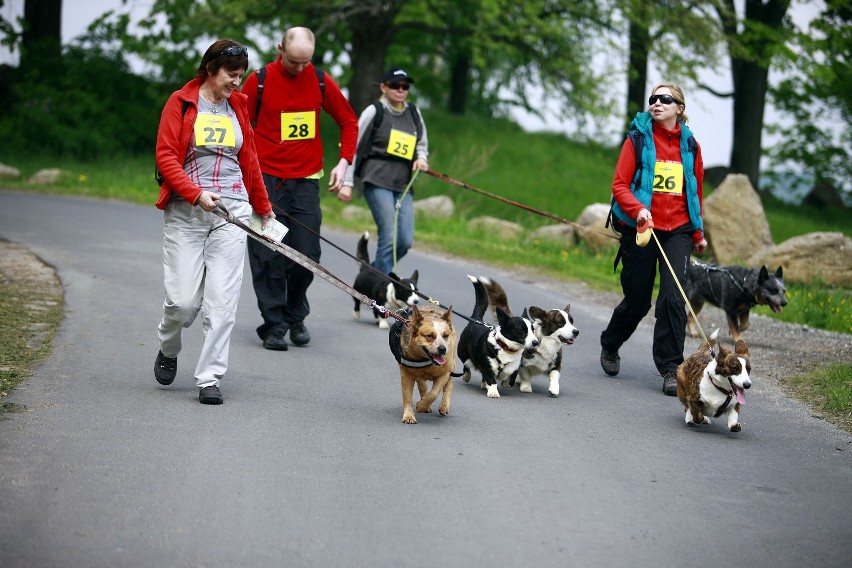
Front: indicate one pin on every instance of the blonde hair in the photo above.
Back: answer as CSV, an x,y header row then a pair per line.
x,y
677,93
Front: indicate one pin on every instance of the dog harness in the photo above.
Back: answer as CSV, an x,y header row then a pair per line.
x,y
707,268
729,396
395,344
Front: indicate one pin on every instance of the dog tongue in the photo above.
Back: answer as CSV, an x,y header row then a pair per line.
x,y
740,393
439,360
776,309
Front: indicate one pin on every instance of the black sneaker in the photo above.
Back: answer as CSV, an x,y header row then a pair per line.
x,y
610,362
670,384
165,369
299,335
210,395
275,341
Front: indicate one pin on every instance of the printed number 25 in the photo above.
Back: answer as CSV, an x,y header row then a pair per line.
x,y
211,135
660,181
401,149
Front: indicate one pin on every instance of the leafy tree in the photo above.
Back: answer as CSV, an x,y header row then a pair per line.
x,y
816,89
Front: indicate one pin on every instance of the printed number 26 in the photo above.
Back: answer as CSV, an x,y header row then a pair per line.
x,y
211,135
669,182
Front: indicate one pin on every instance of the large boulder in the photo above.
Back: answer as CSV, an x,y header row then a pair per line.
x,y
734,222
355,213
814,256
438,206
48,176
559,232
500,228
9,171
591,227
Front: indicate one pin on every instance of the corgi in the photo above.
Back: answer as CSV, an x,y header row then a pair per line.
x,y
425,350
553,329
494,351
392,292
714,386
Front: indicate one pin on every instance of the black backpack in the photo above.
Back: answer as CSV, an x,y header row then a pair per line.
x,y
364,147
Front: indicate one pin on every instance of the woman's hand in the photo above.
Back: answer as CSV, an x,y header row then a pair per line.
x,y
419,164
207,200
643,217
264,218
700,246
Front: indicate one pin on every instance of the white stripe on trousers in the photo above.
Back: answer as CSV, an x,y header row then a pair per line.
x,y
203,260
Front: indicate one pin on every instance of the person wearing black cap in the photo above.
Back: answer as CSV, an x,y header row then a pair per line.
x,y
392,144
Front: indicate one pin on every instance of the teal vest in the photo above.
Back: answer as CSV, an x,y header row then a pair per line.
x,y
643,180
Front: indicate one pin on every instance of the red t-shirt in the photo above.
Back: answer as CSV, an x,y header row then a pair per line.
x,y
287,146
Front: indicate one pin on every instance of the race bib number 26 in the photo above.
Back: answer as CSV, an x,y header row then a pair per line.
x,y
668,178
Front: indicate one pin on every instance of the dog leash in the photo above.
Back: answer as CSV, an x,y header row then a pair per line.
x,y
303,261
397,207
367,265
649,226
453,181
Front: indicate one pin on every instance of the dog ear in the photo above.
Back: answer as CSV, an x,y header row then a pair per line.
x,y
741,348
502,317
536,313
414,276
779,273
763,276
416,316
448,315
567,309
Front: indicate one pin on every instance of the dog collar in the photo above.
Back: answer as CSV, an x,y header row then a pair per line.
x,y
415,364
729,396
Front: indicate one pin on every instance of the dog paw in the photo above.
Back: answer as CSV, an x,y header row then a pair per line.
x,y
493,392
736,427
554,393
422,408
356,315
707,420
444,410
409,419
504,383
526,388
383,324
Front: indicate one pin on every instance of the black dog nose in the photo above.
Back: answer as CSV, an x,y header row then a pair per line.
x,y
442,350
535,343
576,332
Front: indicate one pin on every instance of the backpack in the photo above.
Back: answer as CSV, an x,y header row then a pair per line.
x,y
158,177
261,76
364,148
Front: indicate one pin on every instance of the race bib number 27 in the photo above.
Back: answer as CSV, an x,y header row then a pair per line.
x,y
668,178
213,130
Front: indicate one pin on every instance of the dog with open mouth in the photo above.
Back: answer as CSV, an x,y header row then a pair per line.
x,y
495,351
714,386
425,350
553,329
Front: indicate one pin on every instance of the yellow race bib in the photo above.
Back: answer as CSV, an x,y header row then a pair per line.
x,y
298,125
214,130
401,144
668,178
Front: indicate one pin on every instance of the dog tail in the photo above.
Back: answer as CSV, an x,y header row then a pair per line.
x,y
496,297
361,252
481,303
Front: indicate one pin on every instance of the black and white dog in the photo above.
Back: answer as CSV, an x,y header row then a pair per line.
x,y
553,329
494,351
392,292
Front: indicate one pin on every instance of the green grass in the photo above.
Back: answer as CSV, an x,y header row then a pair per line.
x,y
829,390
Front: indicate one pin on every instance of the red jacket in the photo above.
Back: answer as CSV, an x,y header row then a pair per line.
x,y
283,92
175,134
668,211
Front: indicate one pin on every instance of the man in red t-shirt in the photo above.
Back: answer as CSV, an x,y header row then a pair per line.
x,y
286,116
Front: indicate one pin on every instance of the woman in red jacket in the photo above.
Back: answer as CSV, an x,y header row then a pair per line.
x,y
206,153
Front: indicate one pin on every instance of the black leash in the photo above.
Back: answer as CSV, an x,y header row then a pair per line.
x,y
304,261
376,270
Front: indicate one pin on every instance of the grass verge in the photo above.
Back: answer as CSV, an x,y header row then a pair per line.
x,y
827,390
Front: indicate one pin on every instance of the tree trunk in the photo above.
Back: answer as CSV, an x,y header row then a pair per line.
x,y
751,82
42,36
459,84
637,72
372,33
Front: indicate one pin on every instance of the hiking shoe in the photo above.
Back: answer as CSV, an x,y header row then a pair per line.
x,y
210,395
299,335
275,341
610,362
670,384
165,369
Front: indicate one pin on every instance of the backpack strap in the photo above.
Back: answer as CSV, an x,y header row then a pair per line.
x,y
367,143
321,78
261,76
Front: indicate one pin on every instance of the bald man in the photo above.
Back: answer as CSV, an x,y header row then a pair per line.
x,y
286,114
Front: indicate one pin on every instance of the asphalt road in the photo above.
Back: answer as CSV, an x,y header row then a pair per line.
x,y
307,463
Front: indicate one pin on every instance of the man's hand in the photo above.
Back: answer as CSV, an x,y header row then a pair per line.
x,y
335,181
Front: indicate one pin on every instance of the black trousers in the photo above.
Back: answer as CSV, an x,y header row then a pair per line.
x,y
637,283
280,284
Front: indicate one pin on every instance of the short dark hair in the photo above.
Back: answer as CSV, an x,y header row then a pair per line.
x,y
214,59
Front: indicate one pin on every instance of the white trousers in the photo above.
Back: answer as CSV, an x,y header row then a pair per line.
x,y
203,259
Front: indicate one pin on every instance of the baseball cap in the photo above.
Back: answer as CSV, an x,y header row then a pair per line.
x,y
396,74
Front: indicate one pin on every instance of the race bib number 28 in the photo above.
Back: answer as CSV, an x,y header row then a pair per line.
x,y
668,178
298,125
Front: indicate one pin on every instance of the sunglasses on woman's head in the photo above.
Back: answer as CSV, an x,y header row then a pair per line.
x,y
233,50
665,99
398,85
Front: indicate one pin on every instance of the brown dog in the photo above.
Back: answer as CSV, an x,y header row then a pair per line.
x,y
425,351
709,385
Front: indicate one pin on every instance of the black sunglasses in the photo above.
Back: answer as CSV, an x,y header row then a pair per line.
x,y
232,51
665,99
399,85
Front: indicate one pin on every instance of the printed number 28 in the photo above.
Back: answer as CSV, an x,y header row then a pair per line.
x,y
660,182
211,135
298,130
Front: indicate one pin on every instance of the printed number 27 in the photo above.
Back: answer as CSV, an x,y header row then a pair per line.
x,y
211,135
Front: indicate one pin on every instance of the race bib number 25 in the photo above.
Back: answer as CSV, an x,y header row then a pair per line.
x,y
668,178
401,144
